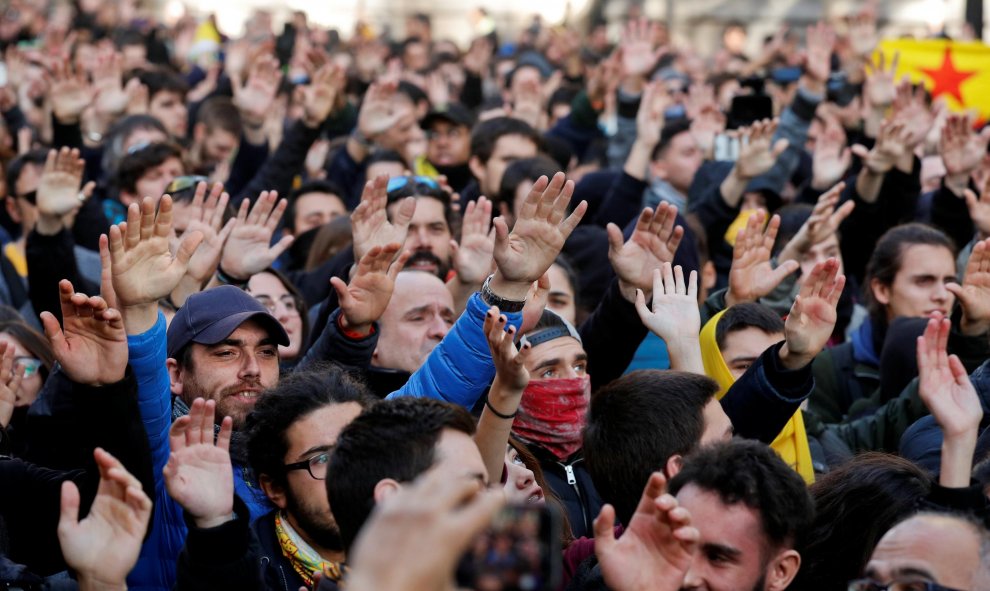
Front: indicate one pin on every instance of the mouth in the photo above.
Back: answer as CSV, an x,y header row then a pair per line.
x,y
246,396
422,265
536,496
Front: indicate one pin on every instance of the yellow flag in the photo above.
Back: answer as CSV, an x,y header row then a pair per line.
x,y
955,71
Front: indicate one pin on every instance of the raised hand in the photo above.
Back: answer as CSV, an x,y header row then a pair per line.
x,y
752,276
979,209
364,299
103,547
58,190
912,111
370,225
379,112
652,243
961,148
758,152
198,474
893,143
880,89
249,249
254,99
111,99
649,118
674,316
320,95
818,58
974,293
943,384
10,381
823,223
656,548
143,270
811,320
474,255
638,55
538,234
436,511
205,214
510,363
831,158
91,347
70,92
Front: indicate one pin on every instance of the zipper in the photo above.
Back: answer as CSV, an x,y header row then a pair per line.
x,y
573,483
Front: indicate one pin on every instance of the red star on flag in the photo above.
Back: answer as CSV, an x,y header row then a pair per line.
x,y
946,78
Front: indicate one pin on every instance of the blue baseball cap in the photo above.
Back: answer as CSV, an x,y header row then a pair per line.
x,y
210,316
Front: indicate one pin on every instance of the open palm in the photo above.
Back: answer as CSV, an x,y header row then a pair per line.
x,y
370,225
364,299
752,275
198,474
974,293
943,384
652,243
812,317
249,249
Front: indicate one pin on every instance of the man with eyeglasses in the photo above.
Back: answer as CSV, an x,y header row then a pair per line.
x,y
930,552
448,147
289,437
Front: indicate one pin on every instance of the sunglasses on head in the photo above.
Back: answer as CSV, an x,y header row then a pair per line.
x,y
184,183
400,182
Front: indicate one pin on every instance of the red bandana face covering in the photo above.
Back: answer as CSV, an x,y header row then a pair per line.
x,y
552,414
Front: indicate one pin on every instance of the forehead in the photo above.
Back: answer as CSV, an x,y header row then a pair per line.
x,y
683,141
414,289
457,455
944,547
559,281
564,348
317,199
515,145
737,525
320,427
748,342
428,210
927,259
525,74
266,284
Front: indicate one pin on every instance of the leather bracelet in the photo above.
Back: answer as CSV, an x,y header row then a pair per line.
x,y
223,277
498,414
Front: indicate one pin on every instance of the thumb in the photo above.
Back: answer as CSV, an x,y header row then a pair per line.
x,y
779,146
69,506
614,238
501,232
641,308
343,296
957,290
604,531
188,246
54,333
860,150
782,271
971,200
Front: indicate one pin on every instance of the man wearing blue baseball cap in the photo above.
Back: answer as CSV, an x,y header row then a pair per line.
x,y
223,346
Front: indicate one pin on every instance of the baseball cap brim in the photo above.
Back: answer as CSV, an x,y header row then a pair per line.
x,y
223,328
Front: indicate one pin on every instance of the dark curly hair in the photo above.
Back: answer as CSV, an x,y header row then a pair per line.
x,y
749,472
296,396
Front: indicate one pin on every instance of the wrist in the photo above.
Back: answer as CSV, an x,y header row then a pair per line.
x,y
973,328
90,582
139,319
214,521
628,291
230,278
353,330
505,289
957,183
791,360
48,224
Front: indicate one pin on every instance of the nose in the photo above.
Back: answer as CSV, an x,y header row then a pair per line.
x,y
438,328
417,239
692,578
250,368
525,478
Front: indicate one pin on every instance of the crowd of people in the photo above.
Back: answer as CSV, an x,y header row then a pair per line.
x,y
725,318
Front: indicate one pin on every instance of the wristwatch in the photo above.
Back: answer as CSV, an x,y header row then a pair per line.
x,y
492,299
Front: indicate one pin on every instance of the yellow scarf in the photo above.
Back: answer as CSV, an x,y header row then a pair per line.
x,y
305,561
791,443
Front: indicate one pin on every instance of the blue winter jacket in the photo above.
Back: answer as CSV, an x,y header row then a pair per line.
x,y
156,565
460,368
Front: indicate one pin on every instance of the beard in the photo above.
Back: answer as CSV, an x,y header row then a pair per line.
x,y
425,257
316,523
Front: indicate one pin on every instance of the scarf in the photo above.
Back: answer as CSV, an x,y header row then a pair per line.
x,y
305,561
659,191
791,443
552,414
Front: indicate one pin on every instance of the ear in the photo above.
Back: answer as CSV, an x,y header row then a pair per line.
x,y
881,292
658,170
782,570
709,276
477,169
274,492
12,210
674,465
385,489
174,376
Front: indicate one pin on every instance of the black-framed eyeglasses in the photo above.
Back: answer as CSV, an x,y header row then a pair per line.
x,y
316,465
871,585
